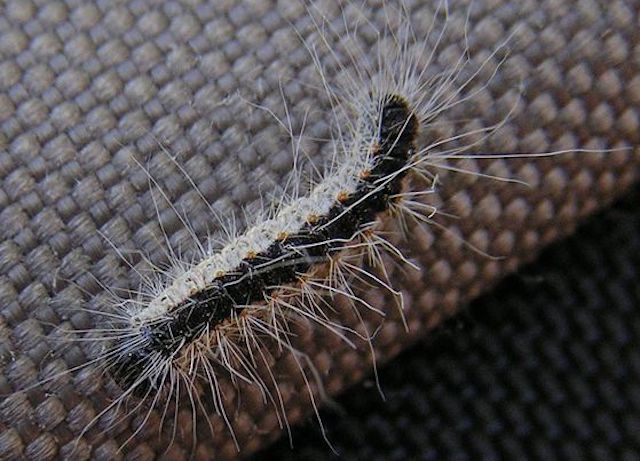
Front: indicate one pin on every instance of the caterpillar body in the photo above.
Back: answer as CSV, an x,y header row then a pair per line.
x,y
232,306
277,252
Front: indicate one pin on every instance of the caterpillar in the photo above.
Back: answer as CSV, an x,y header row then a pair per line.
x,y
279,268
260,265
235,305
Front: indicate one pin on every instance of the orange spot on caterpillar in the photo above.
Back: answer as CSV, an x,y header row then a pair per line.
x,y
364,174
282,236
313,218
343,196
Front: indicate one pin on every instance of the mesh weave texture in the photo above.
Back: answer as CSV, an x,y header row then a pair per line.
x,y
83,85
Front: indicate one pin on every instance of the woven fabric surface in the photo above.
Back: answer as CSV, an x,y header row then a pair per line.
x,y
84,86
545,367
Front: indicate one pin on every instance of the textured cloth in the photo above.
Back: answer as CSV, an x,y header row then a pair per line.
x,y
546,367
86,86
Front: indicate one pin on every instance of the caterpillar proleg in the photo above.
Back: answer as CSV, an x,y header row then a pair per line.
x,y
227,313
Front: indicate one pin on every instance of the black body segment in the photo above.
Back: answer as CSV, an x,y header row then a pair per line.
x,y
284,261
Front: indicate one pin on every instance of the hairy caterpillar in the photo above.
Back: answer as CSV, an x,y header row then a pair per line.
x,y
145,356
279,251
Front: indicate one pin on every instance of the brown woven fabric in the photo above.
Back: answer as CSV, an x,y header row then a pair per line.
x,y
83,85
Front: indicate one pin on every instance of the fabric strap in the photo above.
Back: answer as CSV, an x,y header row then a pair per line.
x,y
85,87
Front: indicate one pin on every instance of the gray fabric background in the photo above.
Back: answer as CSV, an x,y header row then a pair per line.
x,y
84,86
